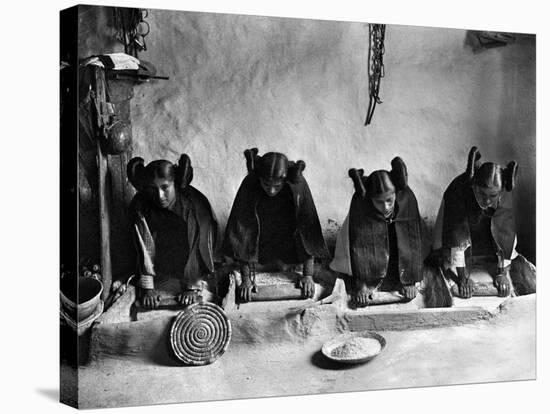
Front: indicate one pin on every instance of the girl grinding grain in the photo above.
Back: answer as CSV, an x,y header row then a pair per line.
x,y
274,221
174,229
475,228
380,243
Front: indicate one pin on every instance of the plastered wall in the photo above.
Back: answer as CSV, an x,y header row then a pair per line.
x,y
300,87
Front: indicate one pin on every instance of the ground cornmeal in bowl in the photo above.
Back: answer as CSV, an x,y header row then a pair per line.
x,y
354,347
357,347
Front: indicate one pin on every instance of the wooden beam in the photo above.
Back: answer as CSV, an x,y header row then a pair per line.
x,y
103,170
104,223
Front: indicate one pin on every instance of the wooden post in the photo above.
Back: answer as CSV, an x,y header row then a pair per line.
x,y
102,169
104,223
120,191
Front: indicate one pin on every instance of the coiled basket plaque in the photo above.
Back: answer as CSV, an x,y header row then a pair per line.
x,y
200,334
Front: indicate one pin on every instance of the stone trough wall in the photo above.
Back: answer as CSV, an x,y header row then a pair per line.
x,y
122,333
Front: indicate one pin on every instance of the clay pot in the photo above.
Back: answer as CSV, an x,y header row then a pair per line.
x,y
89,293
119,138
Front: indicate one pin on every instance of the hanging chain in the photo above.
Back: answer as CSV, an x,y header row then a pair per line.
x,y
375,66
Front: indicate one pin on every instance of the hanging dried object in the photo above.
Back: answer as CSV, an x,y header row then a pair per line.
x,y
375,66
131,29
479,41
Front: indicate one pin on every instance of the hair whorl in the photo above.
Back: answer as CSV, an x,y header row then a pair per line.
x,y
295,170
510,173
251,156
398,173
135,170
184,171
356,176
473,157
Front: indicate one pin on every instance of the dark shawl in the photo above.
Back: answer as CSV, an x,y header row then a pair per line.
x,y
242,231
369,242
460,207
200,220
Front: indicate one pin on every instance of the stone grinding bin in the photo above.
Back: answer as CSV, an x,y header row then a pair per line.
x,y
126,330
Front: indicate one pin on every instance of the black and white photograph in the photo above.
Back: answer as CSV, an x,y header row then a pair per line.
x,y
270,206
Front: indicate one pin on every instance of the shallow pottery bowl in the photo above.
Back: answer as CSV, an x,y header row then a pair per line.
x,y
340,340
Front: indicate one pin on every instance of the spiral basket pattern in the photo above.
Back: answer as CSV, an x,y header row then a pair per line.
x,y
200,334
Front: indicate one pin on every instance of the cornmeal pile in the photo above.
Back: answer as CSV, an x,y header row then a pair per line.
x,y
357,348
275,278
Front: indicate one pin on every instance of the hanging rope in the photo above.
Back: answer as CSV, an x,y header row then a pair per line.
x,y
375,66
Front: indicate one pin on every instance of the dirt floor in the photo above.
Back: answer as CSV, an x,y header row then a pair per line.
x,y
503,348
